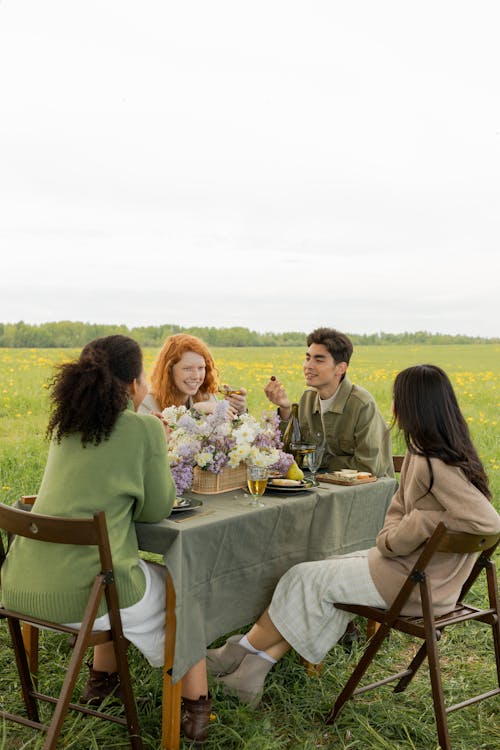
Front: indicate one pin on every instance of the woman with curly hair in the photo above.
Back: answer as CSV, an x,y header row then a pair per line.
x,y
442,479
185,374
104,456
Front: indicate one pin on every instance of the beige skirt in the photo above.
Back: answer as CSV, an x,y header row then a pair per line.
x,y
303,604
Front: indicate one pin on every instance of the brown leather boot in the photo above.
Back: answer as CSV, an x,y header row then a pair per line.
x,y
195,717
101,685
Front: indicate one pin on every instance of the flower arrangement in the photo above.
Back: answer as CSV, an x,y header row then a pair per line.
x,y
215,441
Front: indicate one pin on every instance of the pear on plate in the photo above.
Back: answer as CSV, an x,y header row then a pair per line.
x,y
295,473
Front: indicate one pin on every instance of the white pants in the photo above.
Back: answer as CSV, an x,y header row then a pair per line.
x,y
143,623
303,604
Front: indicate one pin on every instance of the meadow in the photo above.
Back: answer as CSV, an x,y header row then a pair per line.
x,y
290,716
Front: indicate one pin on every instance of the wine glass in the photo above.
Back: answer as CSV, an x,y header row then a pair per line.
x,y
299,452
313,460
257,483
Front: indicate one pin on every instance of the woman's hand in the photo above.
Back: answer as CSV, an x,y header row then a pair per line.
x,y
237,401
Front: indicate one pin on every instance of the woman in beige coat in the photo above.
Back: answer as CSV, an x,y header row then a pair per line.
x,y
442,479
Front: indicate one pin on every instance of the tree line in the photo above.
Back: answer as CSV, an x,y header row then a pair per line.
x,y
68,334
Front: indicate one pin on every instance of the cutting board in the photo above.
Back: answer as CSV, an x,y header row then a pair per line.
x,y
331,479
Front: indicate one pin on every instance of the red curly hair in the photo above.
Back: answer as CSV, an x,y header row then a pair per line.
x,y
162,383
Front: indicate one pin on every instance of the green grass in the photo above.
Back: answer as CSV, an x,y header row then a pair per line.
x,y
294,705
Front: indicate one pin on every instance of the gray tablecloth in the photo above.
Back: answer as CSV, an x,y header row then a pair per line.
x,y
225,564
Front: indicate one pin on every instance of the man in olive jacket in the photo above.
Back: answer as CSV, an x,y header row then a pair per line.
x,y
356,435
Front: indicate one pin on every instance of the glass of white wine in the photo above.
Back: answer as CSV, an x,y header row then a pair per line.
x,y
257,483
299,452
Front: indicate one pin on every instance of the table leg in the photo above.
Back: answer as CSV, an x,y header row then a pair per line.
x,y
371,628
313,670
30,640
171,704
30,633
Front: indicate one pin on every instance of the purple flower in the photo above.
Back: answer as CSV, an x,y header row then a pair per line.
x,y
182,474
284,463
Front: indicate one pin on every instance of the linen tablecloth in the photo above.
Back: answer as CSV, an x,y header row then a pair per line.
x,y
225,564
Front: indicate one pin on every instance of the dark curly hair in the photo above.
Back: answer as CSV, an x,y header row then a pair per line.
x,y
426,410
89,394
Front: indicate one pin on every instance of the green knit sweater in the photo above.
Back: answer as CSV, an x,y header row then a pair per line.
x,y
128,477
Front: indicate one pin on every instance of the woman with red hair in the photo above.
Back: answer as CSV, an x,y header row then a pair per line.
x,y
184,374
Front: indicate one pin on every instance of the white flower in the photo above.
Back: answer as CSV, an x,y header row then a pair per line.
x,y
239,453
265,458
245,434
172,413
203,458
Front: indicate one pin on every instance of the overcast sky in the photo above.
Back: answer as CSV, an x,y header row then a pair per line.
x,y
272,164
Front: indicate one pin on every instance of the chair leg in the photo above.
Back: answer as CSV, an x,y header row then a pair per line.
x,y
74,666
23,669
491,578
128,696
431,638
67,690
412,668
358,673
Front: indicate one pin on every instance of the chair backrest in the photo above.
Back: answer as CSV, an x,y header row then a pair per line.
x,y
443,540
464,543
397,462
43,528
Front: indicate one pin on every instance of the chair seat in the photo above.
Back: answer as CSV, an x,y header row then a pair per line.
x,y
415,624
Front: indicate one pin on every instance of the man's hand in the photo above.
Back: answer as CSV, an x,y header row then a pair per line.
x,y
276,394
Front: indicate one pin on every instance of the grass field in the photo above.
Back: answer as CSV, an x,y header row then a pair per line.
x,y
291,713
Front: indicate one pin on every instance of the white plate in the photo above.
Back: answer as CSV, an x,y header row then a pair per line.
x,y
304,485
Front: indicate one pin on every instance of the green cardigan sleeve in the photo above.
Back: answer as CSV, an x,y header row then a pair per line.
x,y
159,488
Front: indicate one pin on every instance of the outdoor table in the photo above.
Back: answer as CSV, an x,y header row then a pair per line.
x,y
225,558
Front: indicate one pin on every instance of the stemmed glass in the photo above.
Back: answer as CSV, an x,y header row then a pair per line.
x,y
314,458
257,483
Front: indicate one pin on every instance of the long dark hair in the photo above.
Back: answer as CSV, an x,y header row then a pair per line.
x,y
89,394
426,410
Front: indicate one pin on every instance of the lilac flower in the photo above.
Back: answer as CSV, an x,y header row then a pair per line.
x,y
182,474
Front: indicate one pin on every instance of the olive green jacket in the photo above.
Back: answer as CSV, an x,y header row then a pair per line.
x,y
356,434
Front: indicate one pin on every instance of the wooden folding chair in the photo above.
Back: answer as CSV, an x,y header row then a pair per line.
x,y
397,462
81,531
428,627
